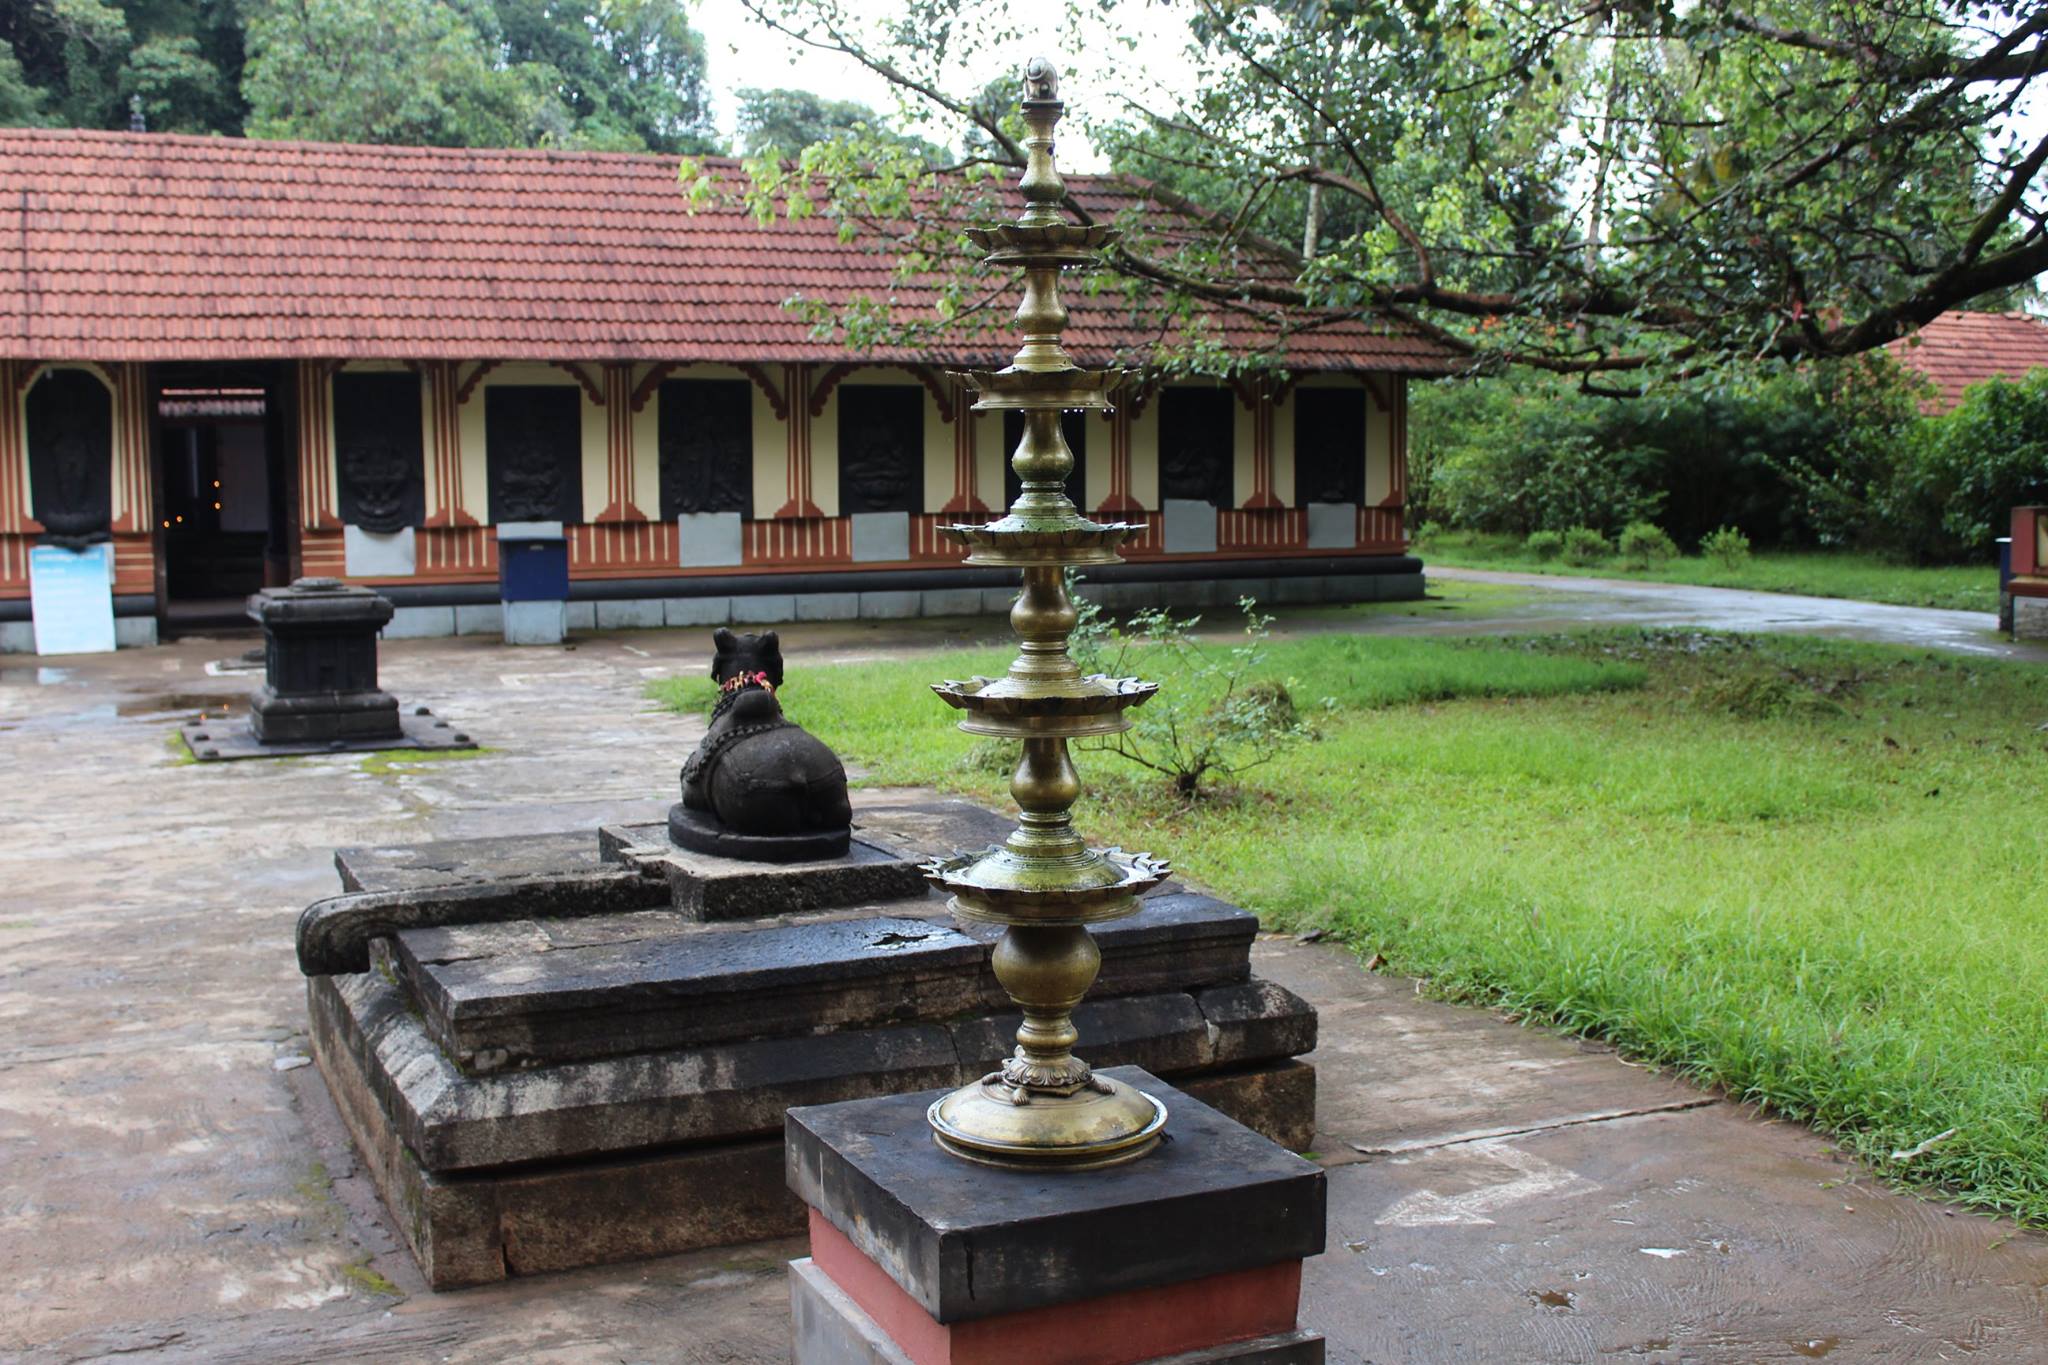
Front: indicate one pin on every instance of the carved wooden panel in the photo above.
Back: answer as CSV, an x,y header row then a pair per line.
x,y
379,452
1074,425
881,447
707,447
70,419
533,451
1329,446
1197,444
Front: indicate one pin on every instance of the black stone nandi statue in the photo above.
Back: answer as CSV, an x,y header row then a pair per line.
x,y
760,786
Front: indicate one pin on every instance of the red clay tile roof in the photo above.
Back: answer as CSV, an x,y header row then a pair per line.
x,y
1957,350
124,246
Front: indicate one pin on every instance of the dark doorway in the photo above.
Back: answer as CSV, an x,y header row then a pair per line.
x,y
533,452
1197,445
707,447
222,489
881,448
1329,446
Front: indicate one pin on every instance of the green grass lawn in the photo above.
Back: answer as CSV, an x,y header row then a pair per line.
x,y
1808,872
1815,573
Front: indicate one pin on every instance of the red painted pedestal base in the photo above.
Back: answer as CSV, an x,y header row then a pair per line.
x,y
1246,1315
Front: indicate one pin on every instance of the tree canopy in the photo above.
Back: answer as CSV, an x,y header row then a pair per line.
x,y
1619,190
788,121
615,74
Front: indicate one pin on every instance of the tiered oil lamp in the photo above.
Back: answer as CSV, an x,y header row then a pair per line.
x,y
1045,1109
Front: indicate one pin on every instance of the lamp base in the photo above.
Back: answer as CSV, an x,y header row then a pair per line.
x,y
1101,1123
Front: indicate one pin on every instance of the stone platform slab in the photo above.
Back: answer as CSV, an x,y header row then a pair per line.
x,y
710,887
231,738
599,1164
455,1121
538,992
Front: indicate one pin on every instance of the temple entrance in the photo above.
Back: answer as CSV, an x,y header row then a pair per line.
x,y
222,490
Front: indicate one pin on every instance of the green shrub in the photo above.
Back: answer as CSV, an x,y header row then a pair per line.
x,y
1726,547
1583,545
1960,479
1643,545
1544,544
1424,533
1219,718
1792,457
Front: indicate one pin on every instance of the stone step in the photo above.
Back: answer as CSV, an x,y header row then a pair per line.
x,y
705,886
526,993
450,1121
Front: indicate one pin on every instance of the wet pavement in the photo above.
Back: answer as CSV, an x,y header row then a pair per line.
x,y
1558,602
174,1184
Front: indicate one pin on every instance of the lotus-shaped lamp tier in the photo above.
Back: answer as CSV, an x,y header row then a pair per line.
x,y
1050,245
1067,387
1029,708
1000,886
1019,542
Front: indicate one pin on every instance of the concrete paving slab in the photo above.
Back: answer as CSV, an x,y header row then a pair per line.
x,y
1706,1235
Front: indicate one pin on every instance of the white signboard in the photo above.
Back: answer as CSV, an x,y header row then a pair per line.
x,y
71,593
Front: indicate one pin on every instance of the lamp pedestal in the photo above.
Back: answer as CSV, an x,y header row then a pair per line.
x,y
919,1258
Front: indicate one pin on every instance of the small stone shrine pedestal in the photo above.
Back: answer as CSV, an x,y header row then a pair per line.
x,y
1190,1256
320,690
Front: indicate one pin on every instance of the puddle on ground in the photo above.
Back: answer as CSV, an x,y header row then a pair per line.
x,y
207,704
1815,1347
1553,1298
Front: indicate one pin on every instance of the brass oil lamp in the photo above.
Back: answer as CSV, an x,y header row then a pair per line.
x,y
1045,1109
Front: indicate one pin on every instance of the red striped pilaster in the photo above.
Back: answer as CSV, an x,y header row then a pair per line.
x,y
316,452
1117,500
1262,498
621,499
445,456
14,492
796,383
131,447
966,497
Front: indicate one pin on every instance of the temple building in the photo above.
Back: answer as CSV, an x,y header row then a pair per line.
x,y
247,361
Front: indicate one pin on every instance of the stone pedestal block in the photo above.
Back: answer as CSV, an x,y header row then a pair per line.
x,y
320,664
1192,1253
320,690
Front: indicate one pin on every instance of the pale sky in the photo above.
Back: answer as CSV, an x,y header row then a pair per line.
x,y
744,52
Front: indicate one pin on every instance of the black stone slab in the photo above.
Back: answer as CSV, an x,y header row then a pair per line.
x,y
709,887
968,1241
334,935
518,992
1178,939
1255,1020
446,863
563,1002
223,741
452,1122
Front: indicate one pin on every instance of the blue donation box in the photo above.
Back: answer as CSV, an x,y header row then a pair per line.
x,y
71,597
533,581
